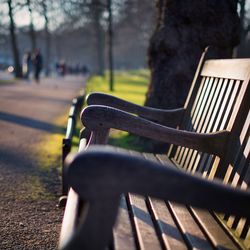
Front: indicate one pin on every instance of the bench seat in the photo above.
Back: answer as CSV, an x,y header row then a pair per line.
x,y
148,223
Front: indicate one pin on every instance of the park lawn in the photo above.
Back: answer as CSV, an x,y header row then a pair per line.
x,y
129,85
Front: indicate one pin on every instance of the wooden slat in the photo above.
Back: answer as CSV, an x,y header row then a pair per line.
x,y
197,120
197,102
144,226
212,107
193,156
200,106
205,111
145,231
191,231
170,234
192,234
247,240
218,104
225,110
219,238
230,105
237,69
216,235
167,228
223,107
123,233
244,137
237,222
240,108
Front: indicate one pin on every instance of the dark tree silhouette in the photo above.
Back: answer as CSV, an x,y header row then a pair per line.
x,y
32,32
110,46
12,27
97,11
47,36
184,28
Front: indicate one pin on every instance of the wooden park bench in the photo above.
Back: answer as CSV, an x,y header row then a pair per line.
x,y
120,199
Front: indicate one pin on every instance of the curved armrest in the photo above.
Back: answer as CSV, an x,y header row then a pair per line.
x,y
97,118
102,186
171,118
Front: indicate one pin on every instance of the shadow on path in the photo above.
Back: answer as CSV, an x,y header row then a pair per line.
x,y
13,163
32,123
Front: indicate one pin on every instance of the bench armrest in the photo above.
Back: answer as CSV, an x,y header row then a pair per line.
x,y
170,118
101,186
97,118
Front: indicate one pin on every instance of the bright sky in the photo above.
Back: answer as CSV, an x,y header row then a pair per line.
x,y
22,18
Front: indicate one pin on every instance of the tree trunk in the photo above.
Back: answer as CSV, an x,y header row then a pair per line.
x,y
184,28
17,65
110,46
99,35
47,39
32,30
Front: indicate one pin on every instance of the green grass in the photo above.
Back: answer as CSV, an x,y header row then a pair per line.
x,y
128,85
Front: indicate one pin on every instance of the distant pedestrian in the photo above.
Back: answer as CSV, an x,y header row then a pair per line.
x,y
62,68
38,64
27,65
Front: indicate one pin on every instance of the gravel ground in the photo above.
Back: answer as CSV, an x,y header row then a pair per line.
x,y
29,112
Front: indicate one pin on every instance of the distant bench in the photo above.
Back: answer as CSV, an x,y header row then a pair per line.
x,y
209,149
74,112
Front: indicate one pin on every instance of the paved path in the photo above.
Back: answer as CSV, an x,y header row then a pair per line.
x,y
29,191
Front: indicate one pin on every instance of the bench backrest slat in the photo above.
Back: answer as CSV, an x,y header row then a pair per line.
x,y
220,94
238,174
237,69
221,103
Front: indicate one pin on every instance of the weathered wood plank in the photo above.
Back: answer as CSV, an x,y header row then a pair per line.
x,y
219,238
198,99
123,233
167,228
237,69
145,231
193,235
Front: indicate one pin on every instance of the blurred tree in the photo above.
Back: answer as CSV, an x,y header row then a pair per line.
x,y
44,4
110,47
89,13
15,50
184,28
32,32
97,9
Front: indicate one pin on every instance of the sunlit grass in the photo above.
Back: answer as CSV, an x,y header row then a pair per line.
x,y
128,85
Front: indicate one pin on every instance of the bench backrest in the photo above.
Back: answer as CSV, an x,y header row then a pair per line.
x,y
238,174
219,100
221,103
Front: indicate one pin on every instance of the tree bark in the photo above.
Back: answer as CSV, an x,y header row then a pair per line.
x,y
47,38
32,32
184,28
17,65
110,46
99,34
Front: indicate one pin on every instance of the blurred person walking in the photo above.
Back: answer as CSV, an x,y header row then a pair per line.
x,y
27,65
38,64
